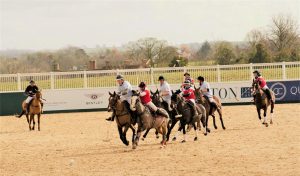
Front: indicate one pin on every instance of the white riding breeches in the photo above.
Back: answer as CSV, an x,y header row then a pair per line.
x,y
265,87
28,99
152,106
193,100
168,101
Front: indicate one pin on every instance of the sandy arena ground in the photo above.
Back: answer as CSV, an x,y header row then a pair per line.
x,y
81,144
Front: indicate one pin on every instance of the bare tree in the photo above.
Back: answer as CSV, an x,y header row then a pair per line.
x,y
283,32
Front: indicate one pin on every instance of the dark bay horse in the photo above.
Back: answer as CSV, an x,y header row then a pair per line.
x,y
262,102
123,117
187,118
35,108
210,110
147,120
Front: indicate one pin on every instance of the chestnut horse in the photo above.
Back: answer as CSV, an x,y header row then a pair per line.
x,y
35,108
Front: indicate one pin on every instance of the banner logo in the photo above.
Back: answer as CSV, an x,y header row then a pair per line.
x,y
279,90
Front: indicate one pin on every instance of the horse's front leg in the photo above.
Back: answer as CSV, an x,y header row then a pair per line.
x,y
272,110
33,122
121,135
124,135
137,138
170,129
221,118
184,132
133,132
196,132
258,113
30,119
145,134
39,117
214,121
265,117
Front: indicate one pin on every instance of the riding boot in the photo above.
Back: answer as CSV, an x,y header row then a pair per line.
x,y
268,93
177,114
163,113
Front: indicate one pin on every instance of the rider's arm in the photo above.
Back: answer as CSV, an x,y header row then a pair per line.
x,y
142,94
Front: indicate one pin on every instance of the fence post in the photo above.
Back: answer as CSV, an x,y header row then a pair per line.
x,y
19,81
251,71
218,73
51,80
283,71
184,69
152,76
84,79
118,72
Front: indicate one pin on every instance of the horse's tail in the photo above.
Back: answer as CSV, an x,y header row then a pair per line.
x,y
22,113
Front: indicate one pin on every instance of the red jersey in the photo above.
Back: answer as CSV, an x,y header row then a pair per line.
x,y
261,82
191,93
145,96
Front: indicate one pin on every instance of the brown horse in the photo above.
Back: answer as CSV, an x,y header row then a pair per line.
x,y
123,117
187,118
262,102
210,110
147,120
35,108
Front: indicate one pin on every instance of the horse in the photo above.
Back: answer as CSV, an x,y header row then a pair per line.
x,y
209,109
123,117
187,115
147,121
262,102
34,108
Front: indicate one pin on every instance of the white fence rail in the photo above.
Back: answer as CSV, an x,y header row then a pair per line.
x,y
174,75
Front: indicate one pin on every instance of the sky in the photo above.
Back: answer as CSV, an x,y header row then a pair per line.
x,y
53,24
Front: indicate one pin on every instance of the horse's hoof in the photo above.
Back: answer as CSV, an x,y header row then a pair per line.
x,y
174,139
134,147
224,128
271,122
205,134
143,138
157,137
195,139
216,127
208,130
183,141
267,124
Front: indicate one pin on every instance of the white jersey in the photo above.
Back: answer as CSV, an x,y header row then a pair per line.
x,y
126,91
205,86
165,87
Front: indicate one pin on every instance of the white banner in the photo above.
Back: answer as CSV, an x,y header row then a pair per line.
x,y
97,98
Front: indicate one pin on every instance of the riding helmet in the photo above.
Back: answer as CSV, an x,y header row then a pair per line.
x,y
161,78
200,78
142,85
257,72
186,74
31,81
120,77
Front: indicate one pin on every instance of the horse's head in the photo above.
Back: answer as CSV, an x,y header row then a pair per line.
x,y
38,94
112,101
156,98
135,98
198,94
175,98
